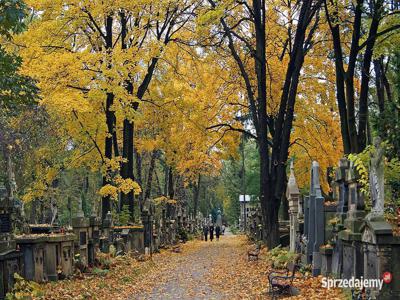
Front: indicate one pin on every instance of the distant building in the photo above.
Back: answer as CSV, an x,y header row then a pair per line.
x,y
247,208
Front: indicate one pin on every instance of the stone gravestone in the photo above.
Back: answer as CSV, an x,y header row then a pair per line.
x,y
218,222
293,196
381,254
351,237
94,237
107,233
10,258
341,193
377,182
317,217
381,249
81,225
147,220
33,249
305,257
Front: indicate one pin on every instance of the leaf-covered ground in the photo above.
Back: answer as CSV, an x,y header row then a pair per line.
x,y
202,270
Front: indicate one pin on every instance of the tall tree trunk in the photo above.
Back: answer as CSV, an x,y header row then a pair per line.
x,y
158,182
139,174
127,139
196,196
365,76
340,79
110,120
150,175
171,192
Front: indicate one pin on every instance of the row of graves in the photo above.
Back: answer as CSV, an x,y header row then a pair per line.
x,y
341,239
49,253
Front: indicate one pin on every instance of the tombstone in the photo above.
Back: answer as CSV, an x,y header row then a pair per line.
x,y
351,237
80,225
293,196
10,257
138,238
147,221
316,228
381,249
341,189
33,248
107,233
381,254
341,194
326,260
305,257
59,251
377,182
94,238
326,250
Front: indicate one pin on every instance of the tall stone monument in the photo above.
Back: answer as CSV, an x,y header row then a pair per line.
x,y
351,237
293,196
317,216
10,258
377,182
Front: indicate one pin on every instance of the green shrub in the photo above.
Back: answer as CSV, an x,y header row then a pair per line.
x,y
24,289
100,272
280,257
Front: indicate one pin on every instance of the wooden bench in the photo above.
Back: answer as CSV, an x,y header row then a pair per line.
x,y
280,281
252,254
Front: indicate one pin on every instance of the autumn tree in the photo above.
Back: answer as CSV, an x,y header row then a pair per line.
x,y
94,62
243,29
356,27
17,92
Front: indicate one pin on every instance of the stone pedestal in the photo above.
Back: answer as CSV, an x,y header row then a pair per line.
x,y
305,256
319,236
59,249
81,226
147,221
33,249
10,263
138,238
351,236
107,234
329,213
381,254
10,258
293,196
326,260
94,239
341,193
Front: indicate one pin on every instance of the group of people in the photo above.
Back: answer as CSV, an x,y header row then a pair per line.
x,y
209,229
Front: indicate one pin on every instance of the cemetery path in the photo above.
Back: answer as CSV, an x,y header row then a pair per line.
x,y
202,270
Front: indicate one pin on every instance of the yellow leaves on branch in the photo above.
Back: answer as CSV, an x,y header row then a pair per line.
x,y
124,186
163,199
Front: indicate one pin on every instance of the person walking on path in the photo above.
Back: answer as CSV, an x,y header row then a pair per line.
x,y
205,231
217,232
211,232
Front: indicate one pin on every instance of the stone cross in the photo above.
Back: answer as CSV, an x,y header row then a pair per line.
x,y
376,180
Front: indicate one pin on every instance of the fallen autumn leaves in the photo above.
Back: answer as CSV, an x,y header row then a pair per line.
x,y
203,270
